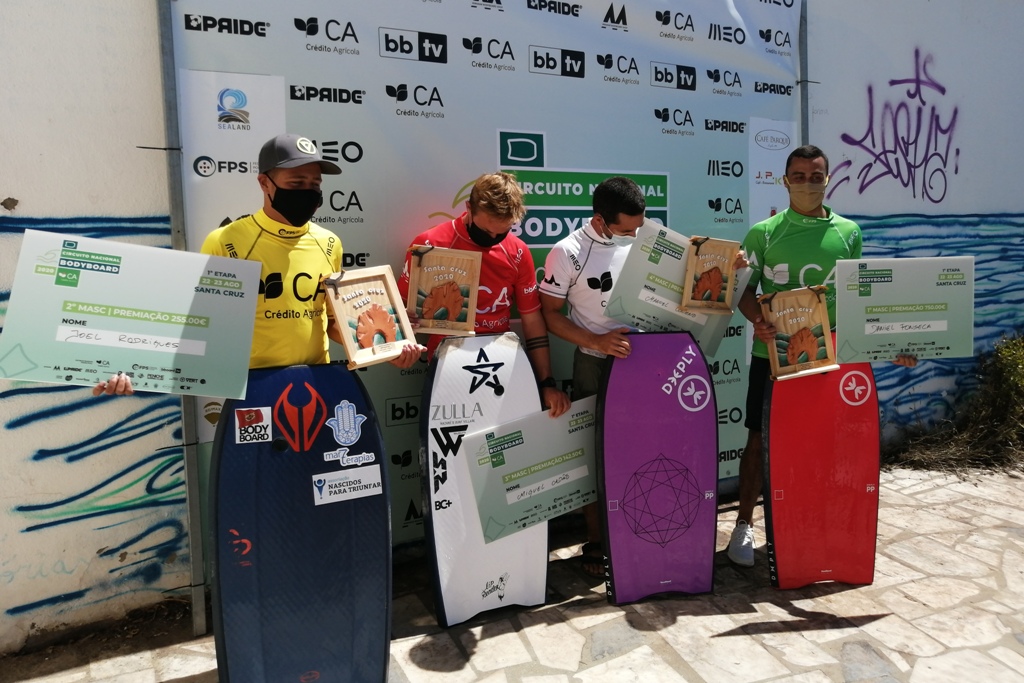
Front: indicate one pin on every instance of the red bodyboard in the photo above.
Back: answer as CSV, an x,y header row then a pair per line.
x,y
821,461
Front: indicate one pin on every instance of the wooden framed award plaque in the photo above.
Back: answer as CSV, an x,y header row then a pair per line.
x,y
710,275
443,287
368,310
803,340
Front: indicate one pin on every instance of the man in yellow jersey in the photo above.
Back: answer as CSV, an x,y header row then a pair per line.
x,y
292,320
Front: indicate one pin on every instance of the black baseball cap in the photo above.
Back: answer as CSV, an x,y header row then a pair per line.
x,y
289,151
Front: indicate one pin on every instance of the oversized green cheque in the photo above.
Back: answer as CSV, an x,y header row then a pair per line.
x,y
532,469
175,321
891,306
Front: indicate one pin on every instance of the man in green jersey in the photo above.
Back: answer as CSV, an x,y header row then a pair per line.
x,y
796,248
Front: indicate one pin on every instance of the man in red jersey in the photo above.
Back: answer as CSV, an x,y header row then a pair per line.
x,y
507,274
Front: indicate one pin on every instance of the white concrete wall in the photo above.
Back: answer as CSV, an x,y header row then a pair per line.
x,y
92,513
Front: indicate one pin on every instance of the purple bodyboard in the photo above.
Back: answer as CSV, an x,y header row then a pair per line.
x,y
657,457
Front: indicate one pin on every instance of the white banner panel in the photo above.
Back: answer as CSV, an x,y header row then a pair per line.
x,y
414,99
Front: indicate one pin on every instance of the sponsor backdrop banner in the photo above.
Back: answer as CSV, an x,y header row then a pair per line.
x,y
415,98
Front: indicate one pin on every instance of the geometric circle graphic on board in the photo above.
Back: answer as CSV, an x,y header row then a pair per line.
x,y
661,500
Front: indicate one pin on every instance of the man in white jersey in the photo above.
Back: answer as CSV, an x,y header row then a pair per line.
x,y
796,248
580,270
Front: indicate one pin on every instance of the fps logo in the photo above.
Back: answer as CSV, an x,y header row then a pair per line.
x,y
673,76
206,167
238,27
557,62
417,45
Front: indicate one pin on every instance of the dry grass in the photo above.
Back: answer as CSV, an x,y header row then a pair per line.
x,y
988,432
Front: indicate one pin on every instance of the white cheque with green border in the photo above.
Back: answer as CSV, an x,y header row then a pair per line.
x,y
532,469
649,289
889,306
175,321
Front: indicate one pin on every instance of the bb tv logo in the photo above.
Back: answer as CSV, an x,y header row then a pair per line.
x,y
675,76
416,45
557,62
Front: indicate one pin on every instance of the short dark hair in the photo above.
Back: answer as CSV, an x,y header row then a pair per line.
x,y
807,152
618,195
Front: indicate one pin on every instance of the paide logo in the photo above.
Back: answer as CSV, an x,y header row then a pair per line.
x,y
300,425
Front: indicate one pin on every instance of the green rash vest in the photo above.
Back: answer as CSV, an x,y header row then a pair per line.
x,y
790,250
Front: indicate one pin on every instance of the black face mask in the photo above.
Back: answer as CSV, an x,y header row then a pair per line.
x,y
297,206
484,239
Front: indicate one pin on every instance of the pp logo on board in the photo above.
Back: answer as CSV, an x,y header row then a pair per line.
x,y
855,388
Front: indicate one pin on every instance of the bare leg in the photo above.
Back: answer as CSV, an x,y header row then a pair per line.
x,y
751,476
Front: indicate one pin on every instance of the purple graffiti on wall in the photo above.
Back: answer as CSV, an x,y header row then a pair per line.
x,y
906,139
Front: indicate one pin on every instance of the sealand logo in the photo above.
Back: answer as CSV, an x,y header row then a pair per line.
x,y
230,114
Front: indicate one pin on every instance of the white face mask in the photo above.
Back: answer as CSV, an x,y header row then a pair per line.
x,y
807,197
622,240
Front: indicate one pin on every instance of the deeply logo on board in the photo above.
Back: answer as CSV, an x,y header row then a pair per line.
x,y
492,4
300,424
313,93
855,388
416,45
692,391
727,34
237,27
206,167
566,9
230,112
252,425
615,20
725,126
725,168
675,76
485,373
773,88
448,440
557,62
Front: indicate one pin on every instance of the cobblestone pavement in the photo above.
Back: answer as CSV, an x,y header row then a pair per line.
x,y
947,604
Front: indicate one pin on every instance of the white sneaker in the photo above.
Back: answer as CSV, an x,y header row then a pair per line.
x,y
741,545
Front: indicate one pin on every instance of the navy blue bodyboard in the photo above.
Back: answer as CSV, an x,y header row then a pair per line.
x,y
302,531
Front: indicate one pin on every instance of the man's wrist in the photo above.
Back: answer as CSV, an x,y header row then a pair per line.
x,y
547,383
